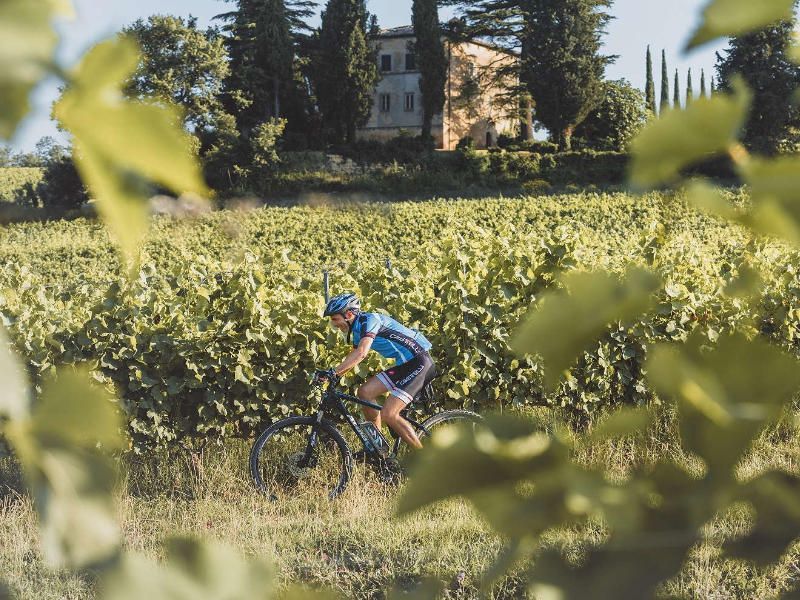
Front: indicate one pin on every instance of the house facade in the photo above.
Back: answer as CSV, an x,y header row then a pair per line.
x,y
473,98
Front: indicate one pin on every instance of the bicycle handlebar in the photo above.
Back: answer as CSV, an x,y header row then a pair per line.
x,y
328,375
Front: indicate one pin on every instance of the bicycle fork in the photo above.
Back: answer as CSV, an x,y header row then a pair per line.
x,y
308,455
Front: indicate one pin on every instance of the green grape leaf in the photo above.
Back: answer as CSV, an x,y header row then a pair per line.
x,y
14,387
563,325
679,138
726,394
121,144
726,18
193,570
27,43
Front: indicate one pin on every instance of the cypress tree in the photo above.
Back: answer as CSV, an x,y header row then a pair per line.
x,y
689,90
563,69
664,83
431,60
761,59
713,88
703,93
650,86
261,40
676,95
345,67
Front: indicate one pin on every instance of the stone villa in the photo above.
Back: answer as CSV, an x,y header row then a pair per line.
x,y
473,105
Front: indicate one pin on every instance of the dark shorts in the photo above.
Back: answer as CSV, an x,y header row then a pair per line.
x,y
406,381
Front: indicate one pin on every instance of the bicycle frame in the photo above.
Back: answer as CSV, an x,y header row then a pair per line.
x,y
333,401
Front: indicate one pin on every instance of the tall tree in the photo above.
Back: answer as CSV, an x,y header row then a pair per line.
x,y
703,93
676,94
431,60
263,36
760,58
650,86
563,69
713,88
689,90
182,64
345,67
664,83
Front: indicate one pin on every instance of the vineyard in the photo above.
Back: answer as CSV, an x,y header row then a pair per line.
x,y
220,330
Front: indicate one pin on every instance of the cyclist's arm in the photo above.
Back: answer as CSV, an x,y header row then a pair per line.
x,y
358,354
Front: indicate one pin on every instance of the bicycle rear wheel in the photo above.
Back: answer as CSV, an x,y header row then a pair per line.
x,y
437,421
298,456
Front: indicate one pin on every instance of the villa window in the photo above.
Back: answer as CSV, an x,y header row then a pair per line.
x,y
386,62
411,62
385,102
409,102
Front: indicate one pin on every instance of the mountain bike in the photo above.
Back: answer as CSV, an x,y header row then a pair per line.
x,y
310,454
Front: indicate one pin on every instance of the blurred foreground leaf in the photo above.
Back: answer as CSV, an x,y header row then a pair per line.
x,y
722,404
765,217
122,145
13,382
564,324
707,127
775,496
27,44
64,451
726,18
197,570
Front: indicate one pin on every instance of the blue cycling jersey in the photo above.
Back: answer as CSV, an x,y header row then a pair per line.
x,y
390,338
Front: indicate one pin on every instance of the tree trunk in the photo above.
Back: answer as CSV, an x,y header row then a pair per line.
x,y
427,125
276,87
527,124
565,139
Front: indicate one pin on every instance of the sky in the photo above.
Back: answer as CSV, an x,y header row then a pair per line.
x,y
636,23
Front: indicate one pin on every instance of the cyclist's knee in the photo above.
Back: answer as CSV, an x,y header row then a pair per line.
x,y
362,393
389,417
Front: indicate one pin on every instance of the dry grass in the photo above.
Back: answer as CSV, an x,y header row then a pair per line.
x,y
356,544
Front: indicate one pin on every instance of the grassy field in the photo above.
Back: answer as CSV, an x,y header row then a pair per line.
x,y
358,547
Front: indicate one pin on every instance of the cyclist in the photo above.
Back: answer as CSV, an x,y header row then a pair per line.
x,y
413,367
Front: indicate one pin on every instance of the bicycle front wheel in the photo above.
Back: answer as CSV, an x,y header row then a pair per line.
x,y
300,457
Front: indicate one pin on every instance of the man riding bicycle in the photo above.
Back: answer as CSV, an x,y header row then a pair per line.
x,y
412,371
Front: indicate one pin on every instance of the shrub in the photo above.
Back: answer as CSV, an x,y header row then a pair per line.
x,y
616,121
61,186
465,143
514,166
536,186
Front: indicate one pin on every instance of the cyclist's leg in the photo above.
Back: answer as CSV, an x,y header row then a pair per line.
x,y
390,413
370,390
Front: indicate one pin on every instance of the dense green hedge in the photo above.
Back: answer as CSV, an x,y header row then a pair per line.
x,y
219,333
